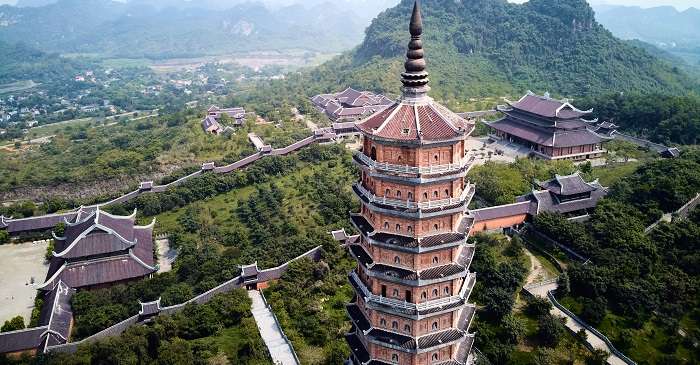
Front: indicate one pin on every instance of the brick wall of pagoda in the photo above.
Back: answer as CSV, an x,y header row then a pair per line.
x,y
414,156
411,227
415,193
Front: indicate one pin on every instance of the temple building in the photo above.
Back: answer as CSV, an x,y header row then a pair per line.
x,y
350,104
568,195
99,249
412,279
551,129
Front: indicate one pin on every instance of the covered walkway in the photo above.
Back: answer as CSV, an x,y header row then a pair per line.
x,y
280,350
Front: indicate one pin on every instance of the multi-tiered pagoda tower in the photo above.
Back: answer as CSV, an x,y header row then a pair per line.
x,y
412,280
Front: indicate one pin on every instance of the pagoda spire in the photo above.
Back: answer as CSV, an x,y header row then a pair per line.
x,y
415,78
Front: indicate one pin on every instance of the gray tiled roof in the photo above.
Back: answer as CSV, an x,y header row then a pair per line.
x,y
21,340
501,211
567,185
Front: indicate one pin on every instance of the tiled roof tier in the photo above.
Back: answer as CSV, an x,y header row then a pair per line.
x,y
100,248
389,239
361,255
358,318
547,107
150,308
568,185
21,340
502,211
57,313
546,202
425,121
357,348
440,338
545,137
391,338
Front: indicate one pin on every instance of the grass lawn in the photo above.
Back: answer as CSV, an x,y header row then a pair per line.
x,y
611,174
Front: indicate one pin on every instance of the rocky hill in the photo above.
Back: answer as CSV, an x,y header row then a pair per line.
x,y
486,47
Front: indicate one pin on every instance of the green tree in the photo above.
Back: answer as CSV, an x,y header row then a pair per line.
x,y
4,237
16,323
550,329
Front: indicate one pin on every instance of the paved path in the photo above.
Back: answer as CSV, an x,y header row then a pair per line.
x,y
279,349
572,325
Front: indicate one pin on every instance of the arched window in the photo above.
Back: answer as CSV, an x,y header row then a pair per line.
x,y
387,192
447,193
425,195
435,325
435,357
409,229
395,325
398,228
435,226
436,158
398,194
447,290
397,260
424,295
373,153
436,194
435,292
400,158
396,293
435,260
410,195
386,225
382,322
394,357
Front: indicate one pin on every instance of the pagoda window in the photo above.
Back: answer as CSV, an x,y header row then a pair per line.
x,y
398,228
395,325
435,357
409,229
425,195
397,260
387,192
407,328
435,226
382,322
395,293
435,325
410,196
398,194
435,292
447,193
386,225
436,194
447,290
436,158
424,295
373,153
436,259
394,358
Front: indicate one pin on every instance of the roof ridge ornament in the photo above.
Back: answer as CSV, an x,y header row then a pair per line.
x,y
415,78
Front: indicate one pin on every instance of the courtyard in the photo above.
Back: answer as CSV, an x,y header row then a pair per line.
x,y
21,266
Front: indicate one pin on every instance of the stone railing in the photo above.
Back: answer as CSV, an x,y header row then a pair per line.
x,y
468,283
466,193
433,169
594,331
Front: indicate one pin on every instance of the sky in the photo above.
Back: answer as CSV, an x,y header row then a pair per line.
x,y
679,4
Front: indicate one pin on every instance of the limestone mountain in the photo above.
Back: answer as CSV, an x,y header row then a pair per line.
x,y
162,29
486,47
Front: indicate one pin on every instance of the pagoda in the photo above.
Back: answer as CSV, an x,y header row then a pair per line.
x,y
412,281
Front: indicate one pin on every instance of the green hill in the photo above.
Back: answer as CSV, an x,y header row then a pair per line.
x,y
487,47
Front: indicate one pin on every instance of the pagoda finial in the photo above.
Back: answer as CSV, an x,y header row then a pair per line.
x,y
415,79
